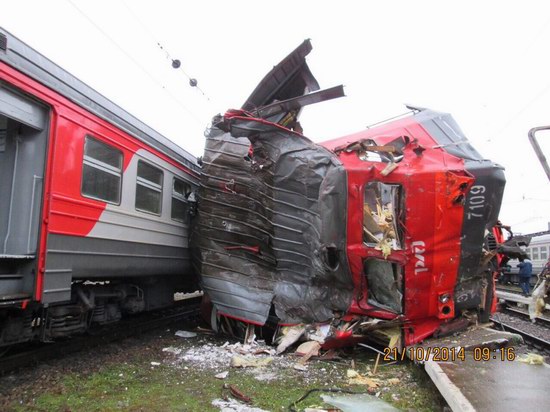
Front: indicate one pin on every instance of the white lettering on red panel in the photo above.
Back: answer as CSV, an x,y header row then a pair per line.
x,y
419,248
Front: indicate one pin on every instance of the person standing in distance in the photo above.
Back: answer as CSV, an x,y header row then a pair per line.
x,y
525,271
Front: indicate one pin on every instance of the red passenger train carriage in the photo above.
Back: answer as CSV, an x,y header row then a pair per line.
x,y
94,205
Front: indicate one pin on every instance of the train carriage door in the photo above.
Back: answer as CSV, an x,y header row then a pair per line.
x,y
23,140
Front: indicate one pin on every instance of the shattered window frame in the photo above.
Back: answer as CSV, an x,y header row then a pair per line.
x,y
180,208
384,287
381,215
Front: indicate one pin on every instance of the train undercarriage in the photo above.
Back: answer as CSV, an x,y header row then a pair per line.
x,y
92,304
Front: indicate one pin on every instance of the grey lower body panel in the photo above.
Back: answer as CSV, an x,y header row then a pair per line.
x,y
73,257
251,303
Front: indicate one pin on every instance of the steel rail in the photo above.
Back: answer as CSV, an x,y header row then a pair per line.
x,y
543,321
529,339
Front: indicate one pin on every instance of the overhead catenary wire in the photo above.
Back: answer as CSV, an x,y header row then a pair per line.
x,y
534,97
520,112
133,60
530,219
524,199
176,64
537,96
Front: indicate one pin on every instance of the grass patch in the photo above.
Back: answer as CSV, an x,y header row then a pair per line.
x,y
132,384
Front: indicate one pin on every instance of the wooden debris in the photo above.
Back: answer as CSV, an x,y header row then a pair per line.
x,y
309,349
236,393
376,363
355,378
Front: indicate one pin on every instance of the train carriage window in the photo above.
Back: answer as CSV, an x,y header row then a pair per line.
x,y
101,171
148,188
180,209
543,253
535,255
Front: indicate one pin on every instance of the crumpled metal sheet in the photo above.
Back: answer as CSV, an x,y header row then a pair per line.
x,y
514,248
271,224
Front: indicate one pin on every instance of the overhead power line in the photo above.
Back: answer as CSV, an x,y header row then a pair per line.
x,y
524,108
133,60
176,63
533,100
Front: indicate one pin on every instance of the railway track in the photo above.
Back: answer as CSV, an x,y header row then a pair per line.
x,y
540,320
531,340
509,288
188,310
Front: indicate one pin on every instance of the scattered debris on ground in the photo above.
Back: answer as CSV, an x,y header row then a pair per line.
x,y
185,334
355,378
206,355
231,405
192,372
532,359
248,362
221,375
358,403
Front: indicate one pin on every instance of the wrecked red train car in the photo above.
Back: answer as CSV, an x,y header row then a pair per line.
x,y
390,227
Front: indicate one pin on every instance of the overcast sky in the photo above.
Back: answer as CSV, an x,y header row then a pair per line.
x,y
485,62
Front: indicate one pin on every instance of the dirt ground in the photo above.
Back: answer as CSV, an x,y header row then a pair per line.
x,y
159,371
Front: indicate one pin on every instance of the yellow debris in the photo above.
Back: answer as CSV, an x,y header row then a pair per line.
x,y
532,359
537,304
357,379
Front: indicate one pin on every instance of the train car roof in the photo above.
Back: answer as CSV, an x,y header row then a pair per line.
x,y
537,240
28,61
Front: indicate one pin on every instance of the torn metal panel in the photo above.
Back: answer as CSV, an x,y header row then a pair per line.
x,y
514,247
271,111
290,78
282,200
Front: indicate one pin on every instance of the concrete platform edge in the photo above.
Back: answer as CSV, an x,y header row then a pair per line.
x,y
452,394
